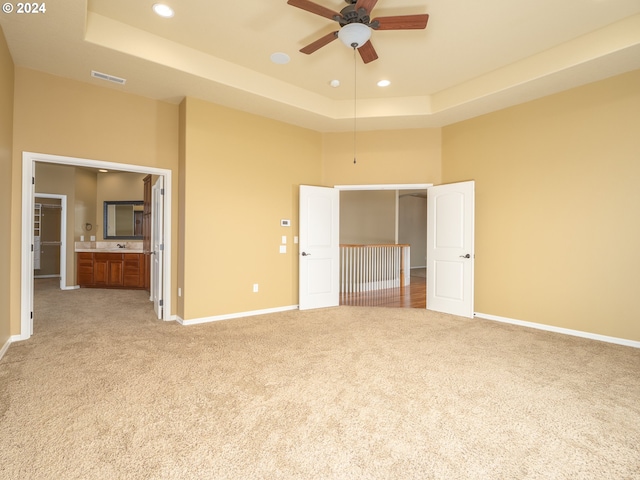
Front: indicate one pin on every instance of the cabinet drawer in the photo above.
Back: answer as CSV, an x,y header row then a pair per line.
x,y
108,256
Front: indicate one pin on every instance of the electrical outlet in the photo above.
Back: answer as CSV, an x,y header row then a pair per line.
x,y
255,288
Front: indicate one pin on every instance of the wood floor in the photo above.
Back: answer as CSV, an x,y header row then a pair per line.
x,y
412,296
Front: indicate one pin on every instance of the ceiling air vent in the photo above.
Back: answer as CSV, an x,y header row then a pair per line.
x,y
109,78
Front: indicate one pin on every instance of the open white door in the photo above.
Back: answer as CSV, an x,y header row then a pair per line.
x,y
157,244
450,248
319,267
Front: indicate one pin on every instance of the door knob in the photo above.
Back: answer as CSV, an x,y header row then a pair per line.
x,y
305,254
465,256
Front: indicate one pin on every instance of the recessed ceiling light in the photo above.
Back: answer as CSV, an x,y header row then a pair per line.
x,y
102,170
163,10
334,83
384,83
280,58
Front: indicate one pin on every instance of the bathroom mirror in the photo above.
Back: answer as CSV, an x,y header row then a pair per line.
x,y
123,220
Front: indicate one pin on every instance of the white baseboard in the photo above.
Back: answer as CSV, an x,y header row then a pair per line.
x,y
5,347
70,287
216,318
565,331
7,344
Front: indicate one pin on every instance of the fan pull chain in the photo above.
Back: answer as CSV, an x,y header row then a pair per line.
x,y
355,89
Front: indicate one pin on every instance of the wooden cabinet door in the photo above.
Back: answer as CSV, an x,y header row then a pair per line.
x,y
116,272
133,270
100,272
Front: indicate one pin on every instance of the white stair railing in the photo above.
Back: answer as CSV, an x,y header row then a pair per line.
x,y
365,268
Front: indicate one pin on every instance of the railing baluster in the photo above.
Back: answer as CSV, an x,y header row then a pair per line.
x,y
365,268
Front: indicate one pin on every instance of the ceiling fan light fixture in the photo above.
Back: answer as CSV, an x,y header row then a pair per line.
x,y
354,35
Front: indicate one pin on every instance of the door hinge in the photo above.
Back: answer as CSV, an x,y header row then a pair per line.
x,y
161,303
162,191
31,315
32,247
33,180
162,247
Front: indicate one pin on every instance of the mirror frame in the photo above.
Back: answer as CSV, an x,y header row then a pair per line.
x,y
106,219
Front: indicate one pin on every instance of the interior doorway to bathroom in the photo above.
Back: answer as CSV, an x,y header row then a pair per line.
x,y
29,161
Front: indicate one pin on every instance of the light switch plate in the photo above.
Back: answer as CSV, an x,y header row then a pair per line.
x,y
284,239
283,249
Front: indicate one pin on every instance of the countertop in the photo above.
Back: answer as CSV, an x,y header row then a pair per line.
x,y
108,247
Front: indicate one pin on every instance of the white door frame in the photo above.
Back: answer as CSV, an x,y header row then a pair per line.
x,y
63,234
26,280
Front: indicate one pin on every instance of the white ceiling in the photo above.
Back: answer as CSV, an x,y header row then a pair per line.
x,y
473,57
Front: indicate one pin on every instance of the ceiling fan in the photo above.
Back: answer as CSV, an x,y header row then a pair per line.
x,y
356,25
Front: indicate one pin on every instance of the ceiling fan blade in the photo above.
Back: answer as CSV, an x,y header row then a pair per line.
x,y
367,52
315,8
366,4
401,22
321,42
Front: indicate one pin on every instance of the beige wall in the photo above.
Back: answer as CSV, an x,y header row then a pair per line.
x,y
85,205
557,198
412,227
368,216
6,139
393,156
241,177
58,116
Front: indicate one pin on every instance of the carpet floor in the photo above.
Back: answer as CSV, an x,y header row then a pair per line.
x,y
103,390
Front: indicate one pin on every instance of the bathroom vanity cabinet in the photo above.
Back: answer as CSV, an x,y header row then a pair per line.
x,y
110,270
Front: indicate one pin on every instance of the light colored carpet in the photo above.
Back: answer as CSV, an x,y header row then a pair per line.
x,y
103,390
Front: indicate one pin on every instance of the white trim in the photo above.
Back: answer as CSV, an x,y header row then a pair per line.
x,y
216,318
390,186
26,277
564,331
5,347
26,280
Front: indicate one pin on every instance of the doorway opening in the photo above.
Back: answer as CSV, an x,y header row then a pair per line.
x,y
449,256
372,223
29,161
49,232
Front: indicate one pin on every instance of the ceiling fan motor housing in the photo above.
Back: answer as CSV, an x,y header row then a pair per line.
x,y
349,14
